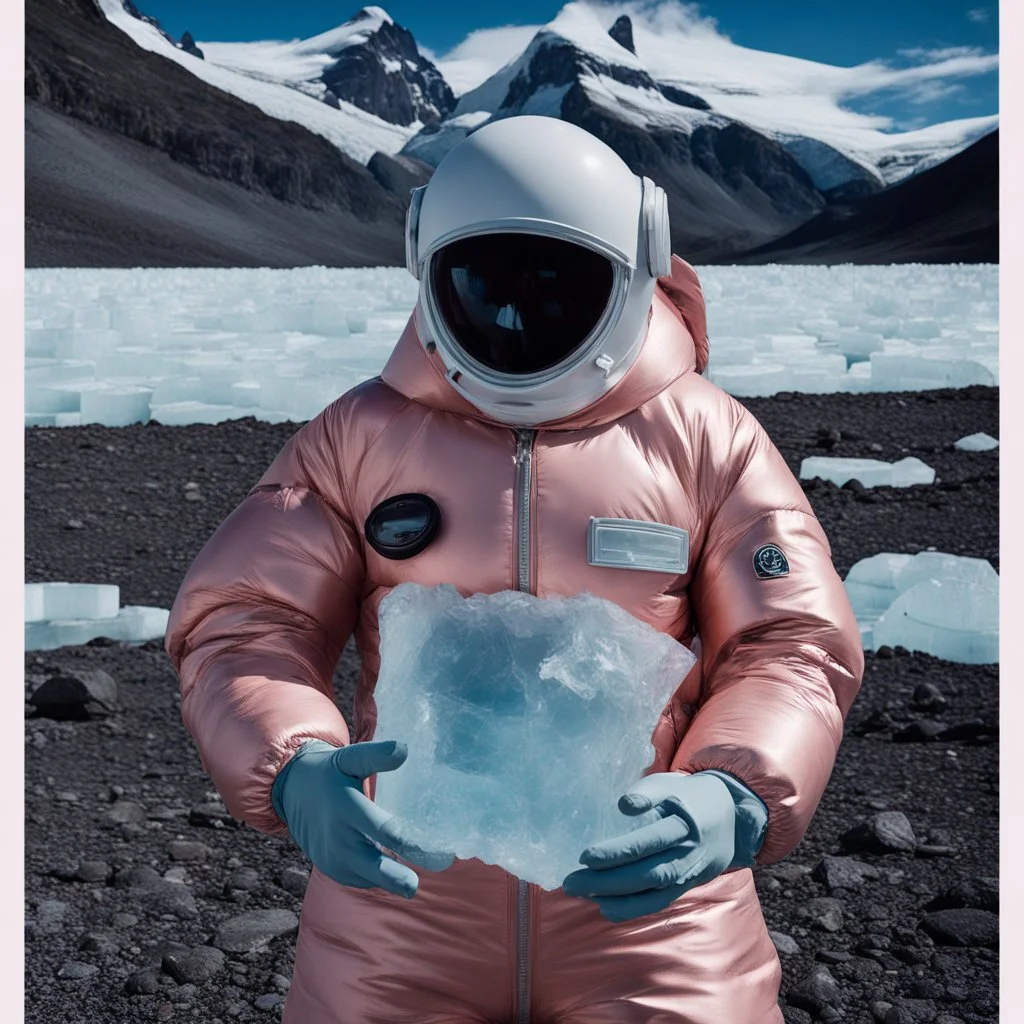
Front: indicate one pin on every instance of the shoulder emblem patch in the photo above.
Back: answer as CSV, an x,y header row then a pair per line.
x,y
770,562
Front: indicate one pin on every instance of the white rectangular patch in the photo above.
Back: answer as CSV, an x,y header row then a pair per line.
x,y
635,544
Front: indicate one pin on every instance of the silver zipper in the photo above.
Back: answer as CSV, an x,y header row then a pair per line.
x,y
524,480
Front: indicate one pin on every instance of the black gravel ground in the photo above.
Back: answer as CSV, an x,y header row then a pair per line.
x,y
145,901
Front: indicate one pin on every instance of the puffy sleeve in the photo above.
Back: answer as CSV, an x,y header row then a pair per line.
x,y
781,653
261,619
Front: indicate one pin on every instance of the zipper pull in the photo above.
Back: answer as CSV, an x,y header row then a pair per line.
x,y
522,446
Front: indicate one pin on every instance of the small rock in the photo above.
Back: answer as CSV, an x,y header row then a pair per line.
x,y
962,927
924,730
99,942
928,697
280,982
824,913
160,895
931,850
885,832
784,943
815,990
253,930
268,1001
245,879
189,851
127,812
790,873
142,983
195,966
77,695
293,880
74,524
73,970
843,872
93,871
165,1011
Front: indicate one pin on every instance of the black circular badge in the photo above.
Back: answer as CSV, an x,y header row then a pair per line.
x,y
403,526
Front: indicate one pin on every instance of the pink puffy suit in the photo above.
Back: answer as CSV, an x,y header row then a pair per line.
x,y
271,600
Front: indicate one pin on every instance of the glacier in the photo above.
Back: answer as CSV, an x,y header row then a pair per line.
x,y
181,346
525,719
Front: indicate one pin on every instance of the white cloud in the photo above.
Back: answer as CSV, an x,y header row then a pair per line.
x,y
920,53
480,54
930,92
978,15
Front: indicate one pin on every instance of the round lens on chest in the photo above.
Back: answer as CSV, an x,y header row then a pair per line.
x,y
403,526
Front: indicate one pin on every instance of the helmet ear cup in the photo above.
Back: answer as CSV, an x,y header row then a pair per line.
x,y
656,229
412,228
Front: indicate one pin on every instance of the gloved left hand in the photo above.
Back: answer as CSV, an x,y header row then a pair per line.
x,y
643,871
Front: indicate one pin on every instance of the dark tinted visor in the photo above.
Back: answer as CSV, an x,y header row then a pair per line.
x,y
520,303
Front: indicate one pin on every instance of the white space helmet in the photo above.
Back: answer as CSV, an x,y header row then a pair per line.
x,y
537,250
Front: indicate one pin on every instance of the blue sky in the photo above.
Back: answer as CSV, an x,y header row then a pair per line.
x,y
840,32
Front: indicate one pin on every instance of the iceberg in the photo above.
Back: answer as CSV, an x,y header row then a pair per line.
x,y
525,718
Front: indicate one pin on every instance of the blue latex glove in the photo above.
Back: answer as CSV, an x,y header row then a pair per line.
x,y
319,796
695,839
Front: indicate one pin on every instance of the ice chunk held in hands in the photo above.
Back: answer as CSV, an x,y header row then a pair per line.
x,y
526,719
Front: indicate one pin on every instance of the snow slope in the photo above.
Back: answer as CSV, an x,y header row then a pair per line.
x,y
275,78
786,98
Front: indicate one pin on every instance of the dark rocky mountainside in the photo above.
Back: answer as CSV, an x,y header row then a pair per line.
x,y
146,901
388,76
80,66
946,214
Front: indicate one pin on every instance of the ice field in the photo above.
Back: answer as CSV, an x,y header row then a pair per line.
x,y
201,346
118,347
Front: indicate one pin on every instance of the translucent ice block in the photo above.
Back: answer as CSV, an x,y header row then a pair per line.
x,y
526,719
871,583
116,406
948,619
976,443
132,624
869,472
937,565
71,600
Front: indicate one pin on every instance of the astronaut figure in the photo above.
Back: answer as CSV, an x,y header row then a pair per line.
x,y
549,377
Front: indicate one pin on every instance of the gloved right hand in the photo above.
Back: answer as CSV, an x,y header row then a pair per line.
x,y
319,796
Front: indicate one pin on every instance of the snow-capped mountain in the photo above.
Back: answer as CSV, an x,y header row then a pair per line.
x,y
369,61
728,184
283,80
797,102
